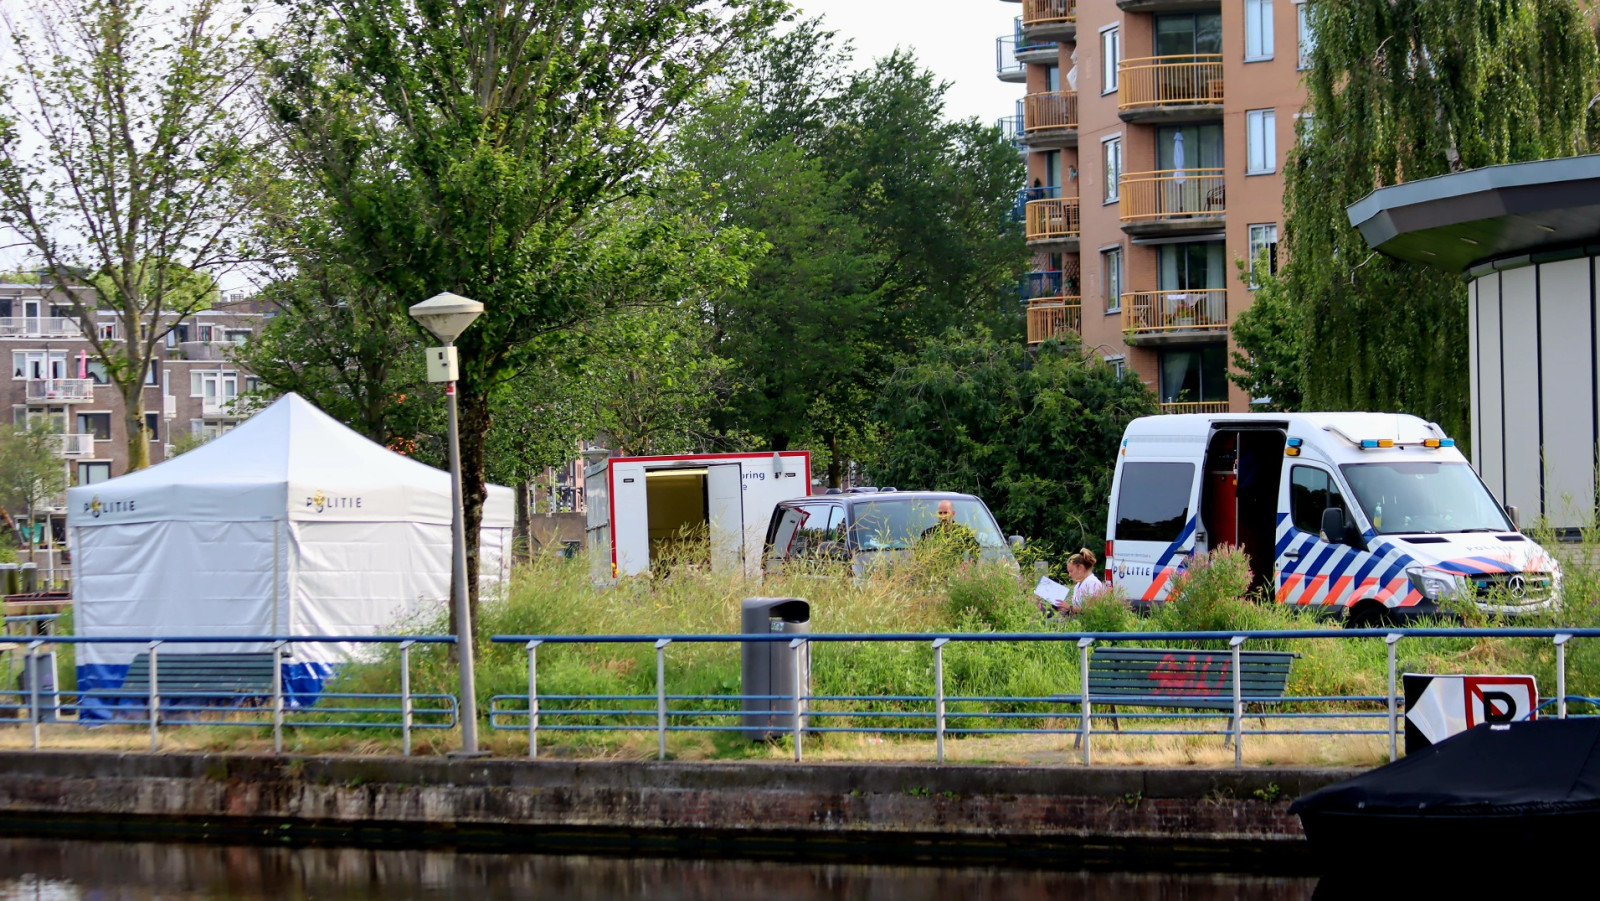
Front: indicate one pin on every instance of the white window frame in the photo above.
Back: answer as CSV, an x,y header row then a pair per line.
x,y
1306,40
1112,192
224,384
1119,365
1111,274
1257,30
1257,246
1261,141
1110,58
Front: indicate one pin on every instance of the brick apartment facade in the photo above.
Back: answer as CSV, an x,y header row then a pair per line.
x,y
1155,133
52,376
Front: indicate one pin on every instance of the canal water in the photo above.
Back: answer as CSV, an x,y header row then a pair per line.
x,y
51,870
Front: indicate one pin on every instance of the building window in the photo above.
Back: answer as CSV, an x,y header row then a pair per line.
x,y
214,388
39,364
1111,152
236,335
1257,29
1261,126
1308,41
96,424
107,331
1111,267
1263,251
1193,376
90,473
1110,58
1119,365
205,333
152,425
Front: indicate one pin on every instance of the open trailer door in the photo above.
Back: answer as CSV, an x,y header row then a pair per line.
x,y
630,519
725,515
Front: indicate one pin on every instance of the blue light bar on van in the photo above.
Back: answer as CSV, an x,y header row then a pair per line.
x,y
1296,442
1369,443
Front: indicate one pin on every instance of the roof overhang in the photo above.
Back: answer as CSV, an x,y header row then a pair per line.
x,y
1467,219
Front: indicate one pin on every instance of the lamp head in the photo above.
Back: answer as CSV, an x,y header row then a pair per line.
x,y
446,315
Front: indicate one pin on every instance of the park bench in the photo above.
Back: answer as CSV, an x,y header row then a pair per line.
x,y
1180,678
214,678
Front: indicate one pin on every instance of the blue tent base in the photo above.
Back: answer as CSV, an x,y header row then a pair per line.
x,y
302,685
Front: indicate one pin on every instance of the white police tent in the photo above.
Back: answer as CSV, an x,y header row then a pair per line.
x,y
291,524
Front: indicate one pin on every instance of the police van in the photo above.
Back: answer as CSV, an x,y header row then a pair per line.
x,y
1375,515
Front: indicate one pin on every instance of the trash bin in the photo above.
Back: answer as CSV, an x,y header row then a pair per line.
x,y
768,667
49,702
10,579
29,576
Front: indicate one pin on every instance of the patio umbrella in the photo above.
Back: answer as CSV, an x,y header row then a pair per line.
x,y
1177,158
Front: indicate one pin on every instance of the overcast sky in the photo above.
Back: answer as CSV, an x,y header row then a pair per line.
x,y
954,38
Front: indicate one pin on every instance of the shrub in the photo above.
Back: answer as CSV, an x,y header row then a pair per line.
x,y
1209,595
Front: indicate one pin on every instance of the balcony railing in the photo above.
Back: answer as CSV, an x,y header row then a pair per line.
x,y
1006,65
1049,111
1172,194
1048,12
39,327
1052,219
1174,312
75,445
1196,406
1010,129
1052,317
60,390
1019,210
1157,82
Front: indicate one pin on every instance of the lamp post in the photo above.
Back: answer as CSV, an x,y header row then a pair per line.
x,y
447,316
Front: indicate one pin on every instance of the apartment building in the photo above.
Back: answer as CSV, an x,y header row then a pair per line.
x,y
53,376
1154,133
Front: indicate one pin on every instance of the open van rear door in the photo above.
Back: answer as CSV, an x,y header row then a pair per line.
x,y
1153,525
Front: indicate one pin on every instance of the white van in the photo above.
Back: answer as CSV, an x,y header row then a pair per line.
x,y
1375,513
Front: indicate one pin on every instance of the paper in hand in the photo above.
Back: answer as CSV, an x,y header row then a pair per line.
x,y
1050,590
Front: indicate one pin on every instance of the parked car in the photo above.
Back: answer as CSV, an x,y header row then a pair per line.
x,y
865,528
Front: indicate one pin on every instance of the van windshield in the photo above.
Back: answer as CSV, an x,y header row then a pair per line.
x,y
898,524
1418,497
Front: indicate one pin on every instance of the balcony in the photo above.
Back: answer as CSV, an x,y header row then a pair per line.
x,y
221,408
1170,88
1006,65
1194,406
1050,119
1032,49
1052,220
1175,316
1166,6
1050,20
1054,317
1172,202
1011,129
39,327
60,391
73,446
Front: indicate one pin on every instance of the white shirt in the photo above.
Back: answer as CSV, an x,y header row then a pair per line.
x,y
1089,587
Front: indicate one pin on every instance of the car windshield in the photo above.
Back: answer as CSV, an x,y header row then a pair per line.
x,y
1403,498
897,524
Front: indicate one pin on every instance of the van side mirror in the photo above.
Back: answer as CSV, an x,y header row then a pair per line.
x,y
1515,515
1016,542
1335,529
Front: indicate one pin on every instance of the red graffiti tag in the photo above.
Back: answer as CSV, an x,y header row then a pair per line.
x,y
1191,675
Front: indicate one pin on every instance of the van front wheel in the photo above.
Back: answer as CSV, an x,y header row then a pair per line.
x,y
1368,615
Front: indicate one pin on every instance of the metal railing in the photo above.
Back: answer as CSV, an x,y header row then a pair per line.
x,y
60,390
280,708
939,714
1051,219
1053,317
1049,112
1048,12
74,445
1160,312
1153,82
1010,129
1019,208
1172,194
1006,65
1194,406
39,327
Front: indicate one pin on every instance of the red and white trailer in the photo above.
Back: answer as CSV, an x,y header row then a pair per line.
x,y
641,507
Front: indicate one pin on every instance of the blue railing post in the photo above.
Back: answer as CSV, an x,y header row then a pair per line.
x,y
278,653
1561,674
798,645
1083,708
405,697
938,694
533,698
1392,639
32,664
1238,705
661,698
155,698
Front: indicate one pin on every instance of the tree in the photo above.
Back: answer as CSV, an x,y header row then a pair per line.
x,y
1033,434
120,140
886,224
1270,336
505,152
1400,90
31,470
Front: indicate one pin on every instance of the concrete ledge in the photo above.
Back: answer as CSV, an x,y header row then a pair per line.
x,y
1070,816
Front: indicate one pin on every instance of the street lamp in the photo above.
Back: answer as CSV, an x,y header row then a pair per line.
x,y
447,316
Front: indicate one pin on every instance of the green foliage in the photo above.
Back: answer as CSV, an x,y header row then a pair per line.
x,y
884,223
1033,434
1401,90
1270,338
1209,595
1105,611
31,470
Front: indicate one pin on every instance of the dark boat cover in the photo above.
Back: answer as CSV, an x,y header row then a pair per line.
x,y
1523,768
